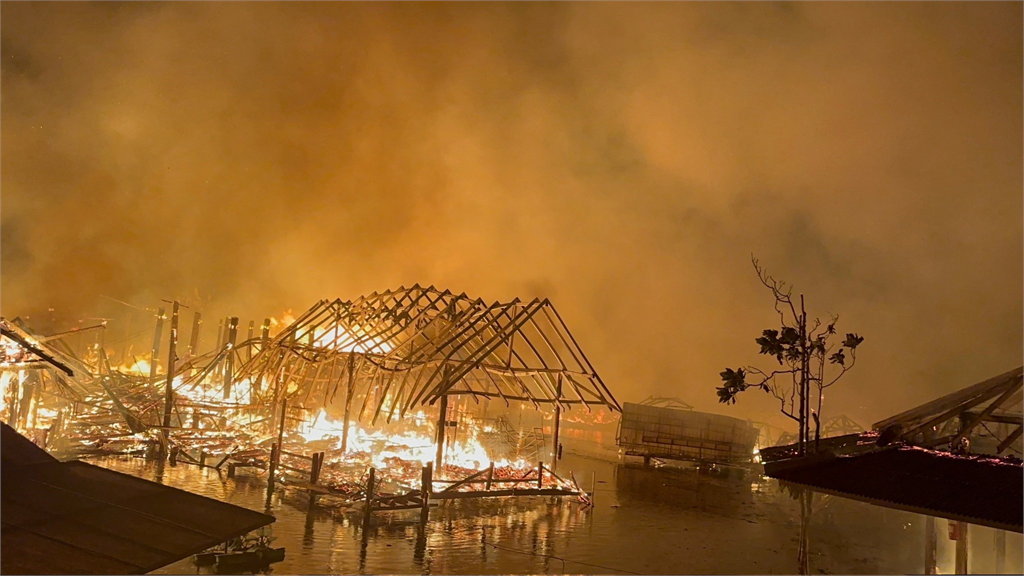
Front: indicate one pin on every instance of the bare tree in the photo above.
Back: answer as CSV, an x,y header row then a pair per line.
x,y
807,355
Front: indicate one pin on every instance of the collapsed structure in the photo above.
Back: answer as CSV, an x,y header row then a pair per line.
x,y
346,385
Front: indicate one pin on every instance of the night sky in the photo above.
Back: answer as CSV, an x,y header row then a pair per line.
x,y
623,160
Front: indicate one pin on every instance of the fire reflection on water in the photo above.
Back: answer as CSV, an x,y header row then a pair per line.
x,y
645,521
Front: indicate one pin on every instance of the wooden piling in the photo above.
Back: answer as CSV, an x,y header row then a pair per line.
x,y
156,344
314,475
490,476
280,424
369,500
540,474
248,349
169,387
193,343
348,403
272,467
265,334
275,448
558,418
220,333
442,427
426,489
229,364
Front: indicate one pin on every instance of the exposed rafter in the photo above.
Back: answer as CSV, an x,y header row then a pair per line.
x,y
957,415
406,348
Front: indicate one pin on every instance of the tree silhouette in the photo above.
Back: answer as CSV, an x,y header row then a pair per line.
x,y
807,355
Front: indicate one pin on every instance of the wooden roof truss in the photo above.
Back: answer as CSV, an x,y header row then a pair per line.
x,y
406,348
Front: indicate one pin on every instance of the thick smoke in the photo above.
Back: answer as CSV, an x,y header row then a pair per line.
x,y
622,159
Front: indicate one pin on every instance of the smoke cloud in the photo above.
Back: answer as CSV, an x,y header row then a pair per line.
x,y
623,160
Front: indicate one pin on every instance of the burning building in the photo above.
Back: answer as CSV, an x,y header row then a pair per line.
x,y
391,381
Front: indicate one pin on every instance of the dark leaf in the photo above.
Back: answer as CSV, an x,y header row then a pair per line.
x,y
852,341
838,358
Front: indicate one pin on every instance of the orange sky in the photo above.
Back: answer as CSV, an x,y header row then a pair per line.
x,y
622,159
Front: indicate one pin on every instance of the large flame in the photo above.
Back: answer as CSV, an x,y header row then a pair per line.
x,y
414,444
138,367
344,340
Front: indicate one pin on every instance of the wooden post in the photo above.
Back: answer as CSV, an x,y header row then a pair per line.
x,y
271,468
193,343
540,474
229,364
426,488
275,449
350,388
490,476
558,417
220,333
930,546
442,428
248,349
593,488
265,334
280,425
369,500
1000,551
169,387
961,547
156,344
314,475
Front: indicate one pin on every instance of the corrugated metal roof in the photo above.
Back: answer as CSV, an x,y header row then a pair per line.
x,y
76,518
977,489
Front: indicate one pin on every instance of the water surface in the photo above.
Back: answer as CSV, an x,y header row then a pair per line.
x,y
643,522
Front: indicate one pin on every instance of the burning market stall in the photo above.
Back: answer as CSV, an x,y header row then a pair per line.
x,y
386,358
346,386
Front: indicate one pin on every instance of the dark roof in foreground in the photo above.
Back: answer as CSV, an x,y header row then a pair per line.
x,y
76,518
980,490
